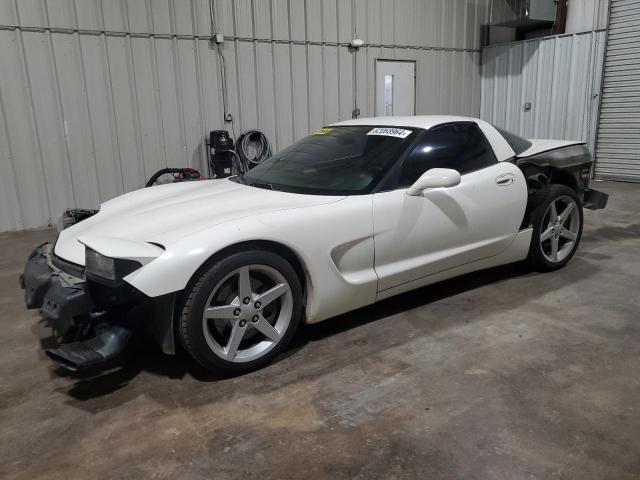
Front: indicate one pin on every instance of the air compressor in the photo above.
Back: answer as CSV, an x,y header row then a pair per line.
x,y
251,148
221,154
225,157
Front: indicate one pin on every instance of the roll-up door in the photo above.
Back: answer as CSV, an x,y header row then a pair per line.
x,y
618,142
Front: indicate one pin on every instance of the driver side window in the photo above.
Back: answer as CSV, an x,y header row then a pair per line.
x,y
460,146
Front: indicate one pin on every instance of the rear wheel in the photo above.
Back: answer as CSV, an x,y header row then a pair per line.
x,y
241,312
557,227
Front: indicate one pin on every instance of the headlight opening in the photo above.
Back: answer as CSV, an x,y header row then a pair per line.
x,y
99,265
113,269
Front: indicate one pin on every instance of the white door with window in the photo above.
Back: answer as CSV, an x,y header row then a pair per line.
x,y
395,88
418,236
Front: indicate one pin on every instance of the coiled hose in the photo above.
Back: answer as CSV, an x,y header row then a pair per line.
x,y
263,150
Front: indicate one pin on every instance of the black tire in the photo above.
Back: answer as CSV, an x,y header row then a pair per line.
x,y
540,203
190,328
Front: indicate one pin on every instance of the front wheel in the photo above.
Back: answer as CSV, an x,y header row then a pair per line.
x,y
241,311
557,219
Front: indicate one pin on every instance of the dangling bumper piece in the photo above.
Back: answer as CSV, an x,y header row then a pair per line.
x,y
64,298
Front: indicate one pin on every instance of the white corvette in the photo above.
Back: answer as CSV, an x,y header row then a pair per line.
x,y
354,213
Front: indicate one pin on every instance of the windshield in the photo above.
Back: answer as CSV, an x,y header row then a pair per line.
x,y
518,144
333,161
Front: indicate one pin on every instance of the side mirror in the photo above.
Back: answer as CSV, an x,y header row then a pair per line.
x,y
434,178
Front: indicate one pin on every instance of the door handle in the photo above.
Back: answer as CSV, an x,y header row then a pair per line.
x,y
505,179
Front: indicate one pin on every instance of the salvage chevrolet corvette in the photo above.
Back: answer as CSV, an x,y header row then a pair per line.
x,y
352,214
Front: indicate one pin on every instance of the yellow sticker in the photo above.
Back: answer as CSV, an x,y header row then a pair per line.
x,y
323,131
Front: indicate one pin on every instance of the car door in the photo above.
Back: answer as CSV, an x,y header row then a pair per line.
x,y
417,236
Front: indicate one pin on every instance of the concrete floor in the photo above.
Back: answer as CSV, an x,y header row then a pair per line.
x,y
502,374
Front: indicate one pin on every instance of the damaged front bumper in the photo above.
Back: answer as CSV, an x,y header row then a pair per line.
x,y
68,301
58,294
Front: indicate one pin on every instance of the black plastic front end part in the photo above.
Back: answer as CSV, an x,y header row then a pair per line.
x,y
56,294
99,349
594,200
90,309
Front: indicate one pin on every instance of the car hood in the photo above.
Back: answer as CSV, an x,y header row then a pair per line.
x,y
166,213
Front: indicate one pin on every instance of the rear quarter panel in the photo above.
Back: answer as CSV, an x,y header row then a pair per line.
x,y
571,164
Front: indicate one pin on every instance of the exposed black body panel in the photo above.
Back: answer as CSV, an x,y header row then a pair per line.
x,y
568,165
594,200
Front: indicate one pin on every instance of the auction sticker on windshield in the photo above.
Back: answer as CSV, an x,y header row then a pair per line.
x,y
390,132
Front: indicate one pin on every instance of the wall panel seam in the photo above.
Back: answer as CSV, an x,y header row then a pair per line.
x,y
133,85
47,200
156,86
114,122
17,207
276,124
291,90
56,81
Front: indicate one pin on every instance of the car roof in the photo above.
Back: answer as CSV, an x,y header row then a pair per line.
x,y
501,148
418,121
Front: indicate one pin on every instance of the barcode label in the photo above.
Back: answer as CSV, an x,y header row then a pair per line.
x,y
390,132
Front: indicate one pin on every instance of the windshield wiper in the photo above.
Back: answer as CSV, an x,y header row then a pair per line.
x,y
266,186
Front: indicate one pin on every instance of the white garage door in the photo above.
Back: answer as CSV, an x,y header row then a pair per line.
x,y
618,143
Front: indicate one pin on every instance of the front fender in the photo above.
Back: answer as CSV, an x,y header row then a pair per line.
x,y
172,270
338,261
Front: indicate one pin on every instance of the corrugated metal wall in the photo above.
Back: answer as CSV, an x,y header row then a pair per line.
x,y
618,154
586,15
96,95
560,76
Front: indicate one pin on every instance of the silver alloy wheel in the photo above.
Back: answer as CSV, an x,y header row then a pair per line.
x,y
562,221
247,313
